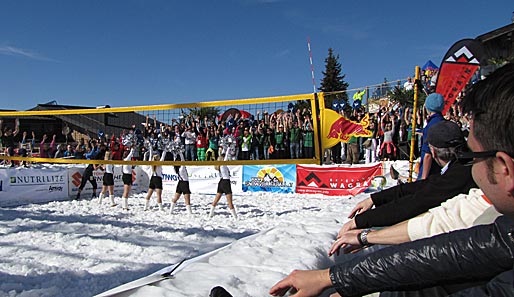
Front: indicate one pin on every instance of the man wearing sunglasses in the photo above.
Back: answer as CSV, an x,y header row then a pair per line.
x,y
462,211
446,143
480,259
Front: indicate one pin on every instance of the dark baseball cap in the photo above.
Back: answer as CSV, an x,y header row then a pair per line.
x,y
445,134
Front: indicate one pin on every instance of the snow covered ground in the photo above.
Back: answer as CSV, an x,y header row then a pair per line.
x,y
82,248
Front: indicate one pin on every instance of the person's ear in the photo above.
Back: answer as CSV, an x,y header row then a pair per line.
x,y
505,171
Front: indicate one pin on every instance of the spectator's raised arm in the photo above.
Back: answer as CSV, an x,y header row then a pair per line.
x,y
16,127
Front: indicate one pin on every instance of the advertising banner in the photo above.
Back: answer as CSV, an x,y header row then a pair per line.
x,y
27,185
75,177
459,64
333,181
202,179
269,178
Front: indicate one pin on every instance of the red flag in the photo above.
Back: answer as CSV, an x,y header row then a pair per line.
x,y
459,64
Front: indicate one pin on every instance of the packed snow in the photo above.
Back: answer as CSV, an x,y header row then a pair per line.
x,y
83,248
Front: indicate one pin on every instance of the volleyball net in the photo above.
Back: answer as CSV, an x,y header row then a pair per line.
x,y
283,130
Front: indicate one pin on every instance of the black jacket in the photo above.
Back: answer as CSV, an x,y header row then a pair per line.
x,y
471,255
406,201
500,285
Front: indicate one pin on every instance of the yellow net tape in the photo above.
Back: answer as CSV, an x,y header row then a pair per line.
x,y
114,119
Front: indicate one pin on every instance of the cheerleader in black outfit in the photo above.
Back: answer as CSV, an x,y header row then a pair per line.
x,y
182,187
108,180
155,181
127,177
224,186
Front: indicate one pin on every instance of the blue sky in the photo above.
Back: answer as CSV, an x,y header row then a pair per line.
x,y
136,52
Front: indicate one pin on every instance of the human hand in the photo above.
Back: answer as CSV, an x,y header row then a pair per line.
x,y
303,282
361,207
348,241
350,225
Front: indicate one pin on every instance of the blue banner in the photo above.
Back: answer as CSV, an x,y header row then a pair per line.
x,y
269,178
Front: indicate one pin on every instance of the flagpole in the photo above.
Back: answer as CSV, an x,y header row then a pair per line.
x,y
319,105
413,125
312,65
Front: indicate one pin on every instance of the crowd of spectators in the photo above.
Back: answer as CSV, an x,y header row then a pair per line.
x,y
285,135
263,136
391,127
460,247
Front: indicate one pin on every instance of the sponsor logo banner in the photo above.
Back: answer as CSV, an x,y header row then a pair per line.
x,y
75,177
266,178
333,181
202,179
28,185
459,64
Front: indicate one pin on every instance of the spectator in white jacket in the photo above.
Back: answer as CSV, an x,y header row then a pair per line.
x,y
460,212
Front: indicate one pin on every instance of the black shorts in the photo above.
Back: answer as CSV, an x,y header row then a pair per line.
x,y
224,186
155,183
127,179
183,187
108,179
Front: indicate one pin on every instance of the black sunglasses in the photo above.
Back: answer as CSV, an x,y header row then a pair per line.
x,y
471,158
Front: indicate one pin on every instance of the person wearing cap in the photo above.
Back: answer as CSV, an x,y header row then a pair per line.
x,y
406,201
459,212
477,261
434,104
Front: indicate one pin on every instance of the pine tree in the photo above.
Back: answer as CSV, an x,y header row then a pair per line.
x,y
333,81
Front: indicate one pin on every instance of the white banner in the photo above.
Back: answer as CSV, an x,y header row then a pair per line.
x,y
75,177
202,179
27,185
20,186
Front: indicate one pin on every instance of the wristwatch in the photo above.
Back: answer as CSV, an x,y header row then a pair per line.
x,y
363,237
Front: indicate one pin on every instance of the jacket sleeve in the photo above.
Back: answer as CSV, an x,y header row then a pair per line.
x,y
460,212
437,189
469,255
501,285
396,192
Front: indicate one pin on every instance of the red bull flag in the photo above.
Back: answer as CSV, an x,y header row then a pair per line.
x,y
337,128
458,66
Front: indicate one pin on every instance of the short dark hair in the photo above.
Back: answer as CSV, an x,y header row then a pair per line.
x,y
489,102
